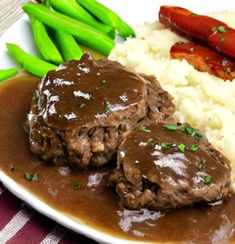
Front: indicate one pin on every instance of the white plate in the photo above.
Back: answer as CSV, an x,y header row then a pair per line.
x,y
134,12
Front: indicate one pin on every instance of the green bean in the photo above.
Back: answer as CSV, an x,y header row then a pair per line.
x,y
74,10
84,33
68,46
7,73
46,3
107,16
66,42
44,43
30,63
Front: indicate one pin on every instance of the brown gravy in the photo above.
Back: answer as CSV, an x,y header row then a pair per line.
x,y
97,206
91,84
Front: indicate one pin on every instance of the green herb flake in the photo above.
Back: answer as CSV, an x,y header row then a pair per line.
x,y
197,135
193,148
144,129
179,43
82,105
222,29
222,39
214,28
229,70
190,131
103,82
31,177
192,14
182,129
181,147
150,142
106,107
202,164
187,129
77,186
165,145
171,127
207,179
224,62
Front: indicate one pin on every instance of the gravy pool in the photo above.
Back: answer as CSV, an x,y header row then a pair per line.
x,y
95,204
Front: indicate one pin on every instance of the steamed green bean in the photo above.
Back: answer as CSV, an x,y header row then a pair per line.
x,y
44,43
46,3
30,63
7,73
84,33
107,16
68,46
74,10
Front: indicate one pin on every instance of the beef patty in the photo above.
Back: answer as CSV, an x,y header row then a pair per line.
x,y
168,166
83,110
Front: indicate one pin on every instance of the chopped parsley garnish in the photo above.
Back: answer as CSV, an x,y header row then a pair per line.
x,y
31,177
144,129
224,62
214,28
222,39
77,186
82,105
191,132
182,129
207,179
106,107
181,147
171,127
165,145
222,29
193,148
179,43
103,82
202,164
229,70
192,14
150,142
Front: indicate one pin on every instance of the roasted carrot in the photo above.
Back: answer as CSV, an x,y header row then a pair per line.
x,y
214,33
204,59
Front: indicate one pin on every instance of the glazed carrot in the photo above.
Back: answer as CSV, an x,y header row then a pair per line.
x,y
204,59
199,27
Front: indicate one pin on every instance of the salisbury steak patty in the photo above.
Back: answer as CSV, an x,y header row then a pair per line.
x,y
168,166
81,112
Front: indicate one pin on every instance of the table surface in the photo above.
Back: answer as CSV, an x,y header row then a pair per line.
x,y
10,12
18,223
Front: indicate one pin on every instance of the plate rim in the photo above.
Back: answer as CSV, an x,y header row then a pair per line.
x,y
39,205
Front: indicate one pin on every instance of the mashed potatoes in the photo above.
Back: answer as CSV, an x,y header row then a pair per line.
x,y
203,100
